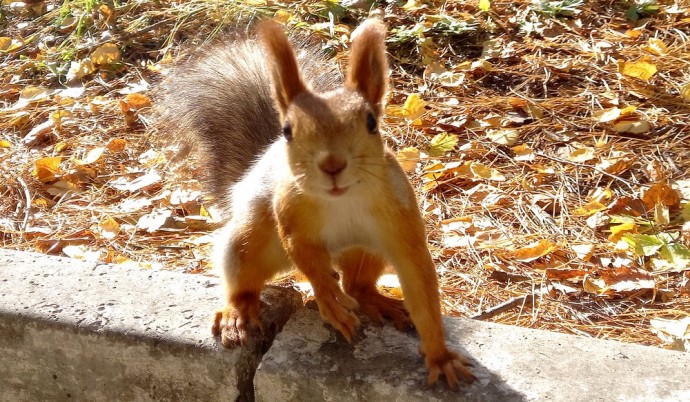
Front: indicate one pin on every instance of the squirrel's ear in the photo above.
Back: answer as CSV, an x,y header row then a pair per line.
x,y
368,72
287,82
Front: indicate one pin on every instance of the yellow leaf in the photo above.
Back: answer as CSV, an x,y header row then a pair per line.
x,y
619,230
105,54
408,158
413,107
5,144
656,46
411,5
642,69
9,44
484,5
109,228
523,153
590,208
442,143
581,155
282,16
47,169
485,172
606,115
631,126
535,250
505,136
80,69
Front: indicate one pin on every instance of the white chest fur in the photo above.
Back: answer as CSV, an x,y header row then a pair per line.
x,y
348,223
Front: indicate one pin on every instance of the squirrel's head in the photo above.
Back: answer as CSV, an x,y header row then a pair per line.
x,y
333,141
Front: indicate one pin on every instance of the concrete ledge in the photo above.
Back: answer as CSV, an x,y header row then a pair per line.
x,y
72,329
309,361
82,331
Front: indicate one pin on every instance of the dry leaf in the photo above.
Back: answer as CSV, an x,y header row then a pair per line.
x,y
137,101
656,46
661,193
583,251
92,156
105,54
643,69
535,250
505,136
685,92
109,228
117,145
606,115
581,155
618,231
139,183
48,169
621,279
154,220
674,333
523,153
408,158
413,107
631,126
590,208
81,252
442,143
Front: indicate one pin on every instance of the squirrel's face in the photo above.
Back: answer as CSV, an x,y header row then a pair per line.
x,y
333,143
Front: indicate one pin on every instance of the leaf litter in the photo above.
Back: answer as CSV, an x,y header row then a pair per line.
x,y
548,143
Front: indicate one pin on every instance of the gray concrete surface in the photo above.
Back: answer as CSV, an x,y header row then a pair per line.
x,y
72,330
310,362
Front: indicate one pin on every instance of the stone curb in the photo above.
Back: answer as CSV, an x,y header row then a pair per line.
x,y
310,362
73,330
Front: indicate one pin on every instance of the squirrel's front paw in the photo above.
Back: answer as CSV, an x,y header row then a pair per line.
x,y
336,309
451,364
234,325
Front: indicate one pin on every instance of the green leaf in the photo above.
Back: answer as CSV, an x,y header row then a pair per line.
x,y
644,245
484,5
685,211
632,15
442,143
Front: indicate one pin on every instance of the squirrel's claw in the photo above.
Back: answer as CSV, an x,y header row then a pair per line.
x,y
234,325
378,307
453,366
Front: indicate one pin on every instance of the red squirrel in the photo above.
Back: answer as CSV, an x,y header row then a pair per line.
x,y
299,162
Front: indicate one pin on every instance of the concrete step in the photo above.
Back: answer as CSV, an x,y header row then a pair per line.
x,y
72,330
310,362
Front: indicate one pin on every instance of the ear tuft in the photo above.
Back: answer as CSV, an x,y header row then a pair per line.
x,y
287,82
368,72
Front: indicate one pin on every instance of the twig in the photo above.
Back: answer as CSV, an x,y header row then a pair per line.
x,y
526,300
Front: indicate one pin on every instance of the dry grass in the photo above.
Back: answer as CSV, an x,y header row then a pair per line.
x,y
549,76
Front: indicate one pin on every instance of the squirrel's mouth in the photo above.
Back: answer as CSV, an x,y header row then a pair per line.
x,y
336,191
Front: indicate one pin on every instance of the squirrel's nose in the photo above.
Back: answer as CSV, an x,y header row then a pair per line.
x,y
332,164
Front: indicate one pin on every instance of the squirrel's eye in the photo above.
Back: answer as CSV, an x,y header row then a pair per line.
x,y
371,123
287,131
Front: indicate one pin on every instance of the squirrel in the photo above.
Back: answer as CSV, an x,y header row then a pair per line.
x,y
296,155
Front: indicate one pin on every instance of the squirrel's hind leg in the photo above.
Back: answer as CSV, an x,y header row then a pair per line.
x,y
248,254
360,271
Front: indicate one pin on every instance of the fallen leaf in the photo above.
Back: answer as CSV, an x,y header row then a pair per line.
x,y
643,244
105,54
656,46
141,182
685,92
154,220
619,230
484,5
137,101
661,193
48,169
505,136
606,115
81,252
413,107
109,228
523,153
583,251
590,208
535,250
643,69
581,155
631,126
442,143
117,145
91,157
408,158
674,333
620,280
